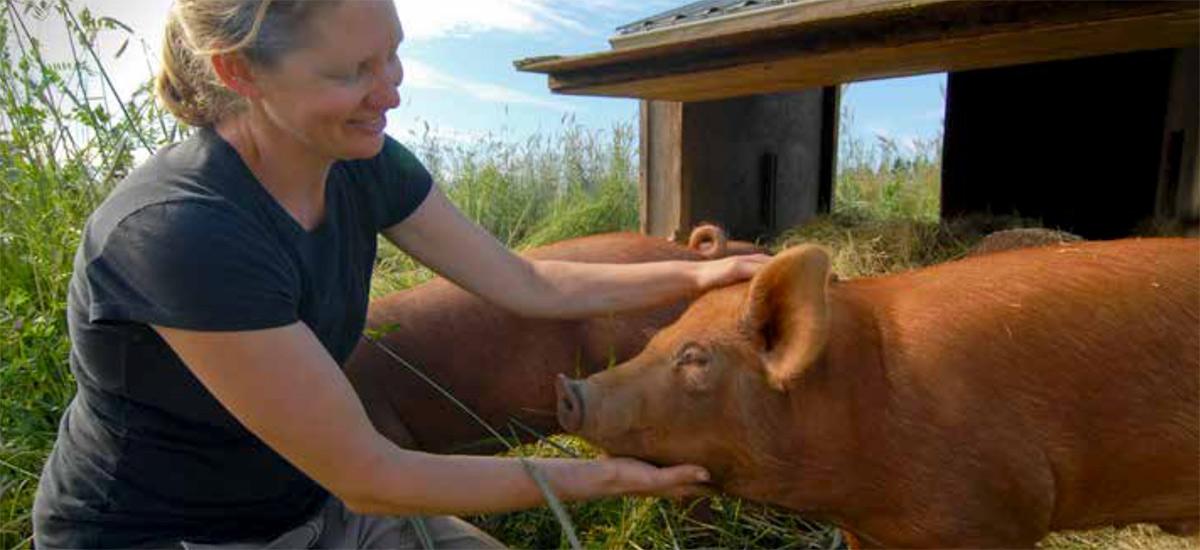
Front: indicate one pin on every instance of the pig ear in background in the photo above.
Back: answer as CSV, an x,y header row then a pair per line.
x,y
786,312
709,240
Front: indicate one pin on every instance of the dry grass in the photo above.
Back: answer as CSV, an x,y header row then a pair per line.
x,y
1136,537
865,245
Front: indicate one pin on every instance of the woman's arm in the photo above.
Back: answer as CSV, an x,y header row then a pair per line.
x,y
284,387
437,235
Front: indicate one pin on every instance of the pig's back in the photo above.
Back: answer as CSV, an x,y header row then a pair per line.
x,y
1087,353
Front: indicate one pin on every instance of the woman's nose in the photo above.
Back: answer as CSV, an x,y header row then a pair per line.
x,y
385,94
386,98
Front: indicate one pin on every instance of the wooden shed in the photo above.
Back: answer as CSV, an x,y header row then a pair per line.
x,y
1082,113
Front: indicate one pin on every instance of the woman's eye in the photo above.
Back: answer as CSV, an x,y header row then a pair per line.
x,y
351,76
344,76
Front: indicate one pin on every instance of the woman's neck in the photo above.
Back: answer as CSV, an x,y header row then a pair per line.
x,y
286,168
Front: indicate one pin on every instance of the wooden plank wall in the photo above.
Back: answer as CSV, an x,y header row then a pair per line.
x,y
756,165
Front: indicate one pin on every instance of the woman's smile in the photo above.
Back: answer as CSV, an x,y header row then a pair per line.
x,y
373,126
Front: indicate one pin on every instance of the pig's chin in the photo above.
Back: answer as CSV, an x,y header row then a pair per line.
x,y
645,445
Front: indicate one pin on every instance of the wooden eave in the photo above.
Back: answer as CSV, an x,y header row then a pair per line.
x,y
826,42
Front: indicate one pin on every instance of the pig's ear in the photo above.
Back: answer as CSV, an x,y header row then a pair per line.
x,y
787,314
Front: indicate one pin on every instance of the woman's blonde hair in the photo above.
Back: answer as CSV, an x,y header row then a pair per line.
x,y
261,30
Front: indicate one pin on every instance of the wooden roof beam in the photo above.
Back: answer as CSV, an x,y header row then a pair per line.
x,y
915,37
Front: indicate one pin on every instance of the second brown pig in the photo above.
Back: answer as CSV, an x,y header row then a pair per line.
x,y
499,364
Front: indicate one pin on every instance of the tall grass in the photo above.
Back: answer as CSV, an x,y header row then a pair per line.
x,y
884,178
66,139
527,193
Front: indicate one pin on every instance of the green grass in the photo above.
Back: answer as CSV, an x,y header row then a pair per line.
x,y
62,149
59,155
528,193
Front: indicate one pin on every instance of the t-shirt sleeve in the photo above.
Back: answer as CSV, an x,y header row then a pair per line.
x,y
398,183
191,266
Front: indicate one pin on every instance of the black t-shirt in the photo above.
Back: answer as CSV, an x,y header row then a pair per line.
x,y
191,240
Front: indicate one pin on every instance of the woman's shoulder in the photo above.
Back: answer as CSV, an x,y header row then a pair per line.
x,y
190,185
393,182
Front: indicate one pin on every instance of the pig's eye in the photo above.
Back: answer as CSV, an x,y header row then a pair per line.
x,y
691,354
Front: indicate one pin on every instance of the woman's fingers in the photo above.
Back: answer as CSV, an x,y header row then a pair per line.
x,y
681,474
640,478
732,269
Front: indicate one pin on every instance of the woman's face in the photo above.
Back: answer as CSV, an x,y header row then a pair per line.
x,y
332,93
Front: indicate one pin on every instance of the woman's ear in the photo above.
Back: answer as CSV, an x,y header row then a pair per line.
x,y
235,73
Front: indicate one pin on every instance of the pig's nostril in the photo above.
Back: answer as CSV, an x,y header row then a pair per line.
x,y
570,406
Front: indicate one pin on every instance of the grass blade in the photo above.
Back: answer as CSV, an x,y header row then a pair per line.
x,y
556,506
542,437
18,469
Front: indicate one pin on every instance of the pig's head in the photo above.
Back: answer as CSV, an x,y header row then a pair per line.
x,y
713,388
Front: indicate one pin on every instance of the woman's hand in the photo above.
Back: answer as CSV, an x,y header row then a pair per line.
x,y
439,236
718,273
628,476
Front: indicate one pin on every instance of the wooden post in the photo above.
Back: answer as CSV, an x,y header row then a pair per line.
x,y
663,208
1178,198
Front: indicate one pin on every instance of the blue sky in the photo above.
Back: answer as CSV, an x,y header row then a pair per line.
x,y
460,80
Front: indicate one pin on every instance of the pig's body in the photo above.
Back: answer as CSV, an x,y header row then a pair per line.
x,y
979,403
498,363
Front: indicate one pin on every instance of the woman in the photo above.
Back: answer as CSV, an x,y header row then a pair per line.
x,y
218,289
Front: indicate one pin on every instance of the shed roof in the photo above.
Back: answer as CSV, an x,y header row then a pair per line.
x,y
697,11
802,44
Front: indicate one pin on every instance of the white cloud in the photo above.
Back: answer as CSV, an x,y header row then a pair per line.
x,y
427,20
421,75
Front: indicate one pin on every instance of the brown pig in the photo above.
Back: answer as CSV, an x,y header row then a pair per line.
x,y
983,402
498,363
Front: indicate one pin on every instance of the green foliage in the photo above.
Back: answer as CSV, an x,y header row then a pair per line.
x,y
65,139
882,181
546,188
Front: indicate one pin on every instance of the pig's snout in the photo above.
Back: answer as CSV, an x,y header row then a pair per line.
x,y
570,404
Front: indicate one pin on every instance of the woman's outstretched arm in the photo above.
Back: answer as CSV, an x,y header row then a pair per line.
x,y
283,386
439,236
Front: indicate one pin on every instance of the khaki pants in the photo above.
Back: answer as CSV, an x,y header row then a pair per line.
x,y
335,526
